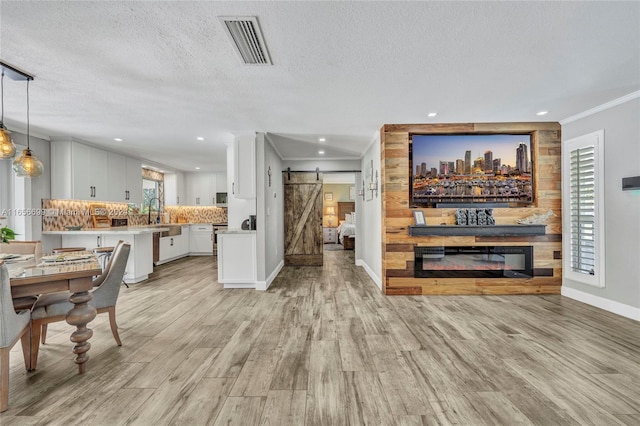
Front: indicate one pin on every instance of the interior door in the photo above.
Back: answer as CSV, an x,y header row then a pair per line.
x,y
302,218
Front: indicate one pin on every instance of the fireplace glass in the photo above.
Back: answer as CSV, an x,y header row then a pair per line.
x,y
474,262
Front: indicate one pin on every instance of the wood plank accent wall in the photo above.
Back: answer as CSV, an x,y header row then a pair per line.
x,y
397,245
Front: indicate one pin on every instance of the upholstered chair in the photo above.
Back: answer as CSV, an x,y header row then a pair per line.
x,y
13,327
53,307
23,247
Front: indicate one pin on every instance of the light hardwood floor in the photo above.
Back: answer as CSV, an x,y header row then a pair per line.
x,y
324,346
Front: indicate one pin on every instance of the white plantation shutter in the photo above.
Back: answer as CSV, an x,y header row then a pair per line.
x,y
583,210
583,238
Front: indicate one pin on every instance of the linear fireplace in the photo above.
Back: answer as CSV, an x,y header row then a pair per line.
x,y
473,262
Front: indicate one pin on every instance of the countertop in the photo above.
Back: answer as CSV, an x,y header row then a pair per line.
x,y
238,231
128,230
143,229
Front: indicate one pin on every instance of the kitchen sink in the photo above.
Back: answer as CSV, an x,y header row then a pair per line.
x,y
172,232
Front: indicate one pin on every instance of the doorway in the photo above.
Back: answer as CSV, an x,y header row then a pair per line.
x,y
302,218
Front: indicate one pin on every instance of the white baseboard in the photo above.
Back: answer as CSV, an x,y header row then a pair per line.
x,y
376,279
264,285
239,285
602,303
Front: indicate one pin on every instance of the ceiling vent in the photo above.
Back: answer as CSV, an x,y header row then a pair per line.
x,y
247,38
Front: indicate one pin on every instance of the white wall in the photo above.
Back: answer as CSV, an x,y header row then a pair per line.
x,y
621,124
270,213
369,253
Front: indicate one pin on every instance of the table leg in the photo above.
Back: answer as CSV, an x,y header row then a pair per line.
x,y
81,314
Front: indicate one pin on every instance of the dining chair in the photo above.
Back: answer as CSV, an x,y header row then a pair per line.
x,y
23,247
104,255
54,307
13,327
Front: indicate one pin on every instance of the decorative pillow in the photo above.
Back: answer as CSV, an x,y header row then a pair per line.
x,y
347,218
353,217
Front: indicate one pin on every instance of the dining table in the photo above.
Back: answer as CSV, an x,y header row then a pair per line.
x,y
73,272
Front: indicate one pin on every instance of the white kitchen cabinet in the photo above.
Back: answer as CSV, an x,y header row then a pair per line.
x,y
78,171
184,247
221,182
244,170
125,179
116,164
237,260
174,247
201,189
201,239
133,188
81,172
174,194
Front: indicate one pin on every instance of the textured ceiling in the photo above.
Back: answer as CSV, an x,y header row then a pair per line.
x,y
160,74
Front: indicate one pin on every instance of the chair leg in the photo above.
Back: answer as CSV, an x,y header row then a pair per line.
x,y
25,339
44,333
4,378
36,329
114,326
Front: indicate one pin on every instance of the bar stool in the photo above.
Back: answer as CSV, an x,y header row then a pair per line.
x,y
104,255
60,250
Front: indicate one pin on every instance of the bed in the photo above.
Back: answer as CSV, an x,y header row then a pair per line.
x,y
347,228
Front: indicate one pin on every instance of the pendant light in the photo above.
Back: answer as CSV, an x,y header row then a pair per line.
x,y
27,164
7,147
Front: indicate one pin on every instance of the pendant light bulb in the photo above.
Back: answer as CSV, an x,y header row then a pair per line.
x,y
28,165
7,147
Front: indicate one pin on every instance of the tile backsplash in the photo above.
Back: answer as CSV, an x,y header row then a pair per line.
x,y
77,213
197,214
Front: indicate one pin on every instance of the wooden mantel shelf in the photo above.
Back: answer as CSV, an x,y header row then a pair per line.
x,y
476,230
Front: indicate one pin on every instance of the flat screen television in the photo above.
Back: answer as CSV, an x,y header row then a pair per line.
x,y
460,170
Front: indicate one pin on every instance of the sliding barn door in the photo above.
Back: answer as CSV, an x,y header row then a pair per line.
x,y
302,218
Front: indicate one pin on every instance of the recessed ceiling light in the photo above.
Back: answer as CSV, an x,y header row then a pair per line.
x,y
117,139
197,168
200,138
321,152
432,114
542,113
322,140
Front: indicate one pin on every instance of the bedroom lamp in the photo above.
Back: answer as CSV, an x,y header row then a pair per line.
x,y
331,212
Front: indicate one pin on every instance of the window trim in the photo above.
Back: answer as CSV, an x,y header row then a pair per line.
x,y
596,140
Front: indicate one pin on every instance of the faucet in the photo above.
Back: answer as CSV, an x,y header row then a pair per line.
x,y
158,217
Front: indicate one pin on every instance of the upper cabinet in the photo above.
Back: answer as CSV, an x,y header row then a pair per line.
x,y
125,179
82,172
201,188
244,170
174,194
78,171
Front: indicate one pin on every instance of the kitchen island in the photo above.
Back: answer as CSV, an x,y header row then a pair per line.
x,y
140,263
